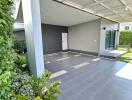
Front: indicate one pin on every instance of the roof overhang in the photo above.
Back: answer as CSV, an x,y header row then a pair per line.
x,y
116,10
72,12
59,14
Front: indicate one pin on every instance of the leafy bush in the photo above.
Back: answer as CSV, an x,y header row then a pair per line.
x,y
33,88
20,87
30,87
126,37
7,54
20,46
22,62
46,90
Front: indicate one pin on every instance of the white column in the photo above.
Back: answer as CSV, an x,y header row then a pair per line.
x,y
32,23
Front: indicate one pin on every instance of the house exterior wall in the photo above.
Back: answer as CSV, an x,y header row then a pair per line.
x,y
19,35
108,25
85,36
51,37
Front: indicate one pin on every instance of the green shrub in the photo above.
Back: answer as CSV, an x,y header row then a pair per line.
x,y
126,37
22,62
20,86
30,87
7,54
20,46
33,88
47,90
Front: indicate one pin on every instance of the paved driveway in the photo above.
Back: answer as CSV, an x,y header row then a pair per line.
x,y
90,78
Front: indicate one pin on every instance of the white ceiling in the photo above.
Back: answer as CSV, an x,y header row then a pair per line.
x,y
116,10
59,14
66,13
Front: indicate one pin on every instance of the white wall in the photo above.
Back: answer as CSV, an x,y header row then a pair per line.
x,y
85,37
109,25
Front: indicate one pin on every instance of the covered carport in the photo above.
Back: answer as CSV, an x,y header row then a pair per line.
x,y
84,75
55,18
68,14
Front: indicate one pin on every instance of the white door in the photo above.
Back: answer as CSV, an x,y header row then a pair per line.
x,y
64,41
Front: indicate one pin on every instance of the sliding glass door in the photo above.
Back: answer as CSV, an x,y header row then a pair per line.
x,y
110,39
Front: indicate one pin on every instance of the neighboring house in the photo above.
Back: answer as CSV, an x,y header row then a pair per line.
x,y
126,26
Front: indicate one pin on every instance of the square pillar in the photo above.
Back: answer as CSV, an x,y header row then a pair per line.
x,y
33,33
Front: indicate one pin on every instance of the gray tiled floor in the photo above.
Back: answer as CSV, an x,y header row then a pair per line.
x,y
95,81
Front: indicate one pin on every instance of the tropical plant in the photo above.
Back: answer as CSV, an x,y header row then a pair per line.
x,y
7,54
47,90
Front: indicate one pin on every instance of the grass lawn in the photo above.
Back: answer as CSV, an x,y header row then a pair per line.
x,y
126,57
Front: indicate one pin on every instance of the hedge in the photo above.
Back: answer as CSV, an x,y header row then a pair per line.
x,y
126,37
7,54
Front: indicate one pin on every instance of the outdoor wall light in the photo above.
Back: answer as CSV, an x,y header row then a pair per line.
x,y
104,28
126,8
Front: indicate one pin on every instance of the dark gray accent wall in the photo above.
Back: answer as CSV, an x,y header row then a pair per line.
x,y
52,37
19,35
